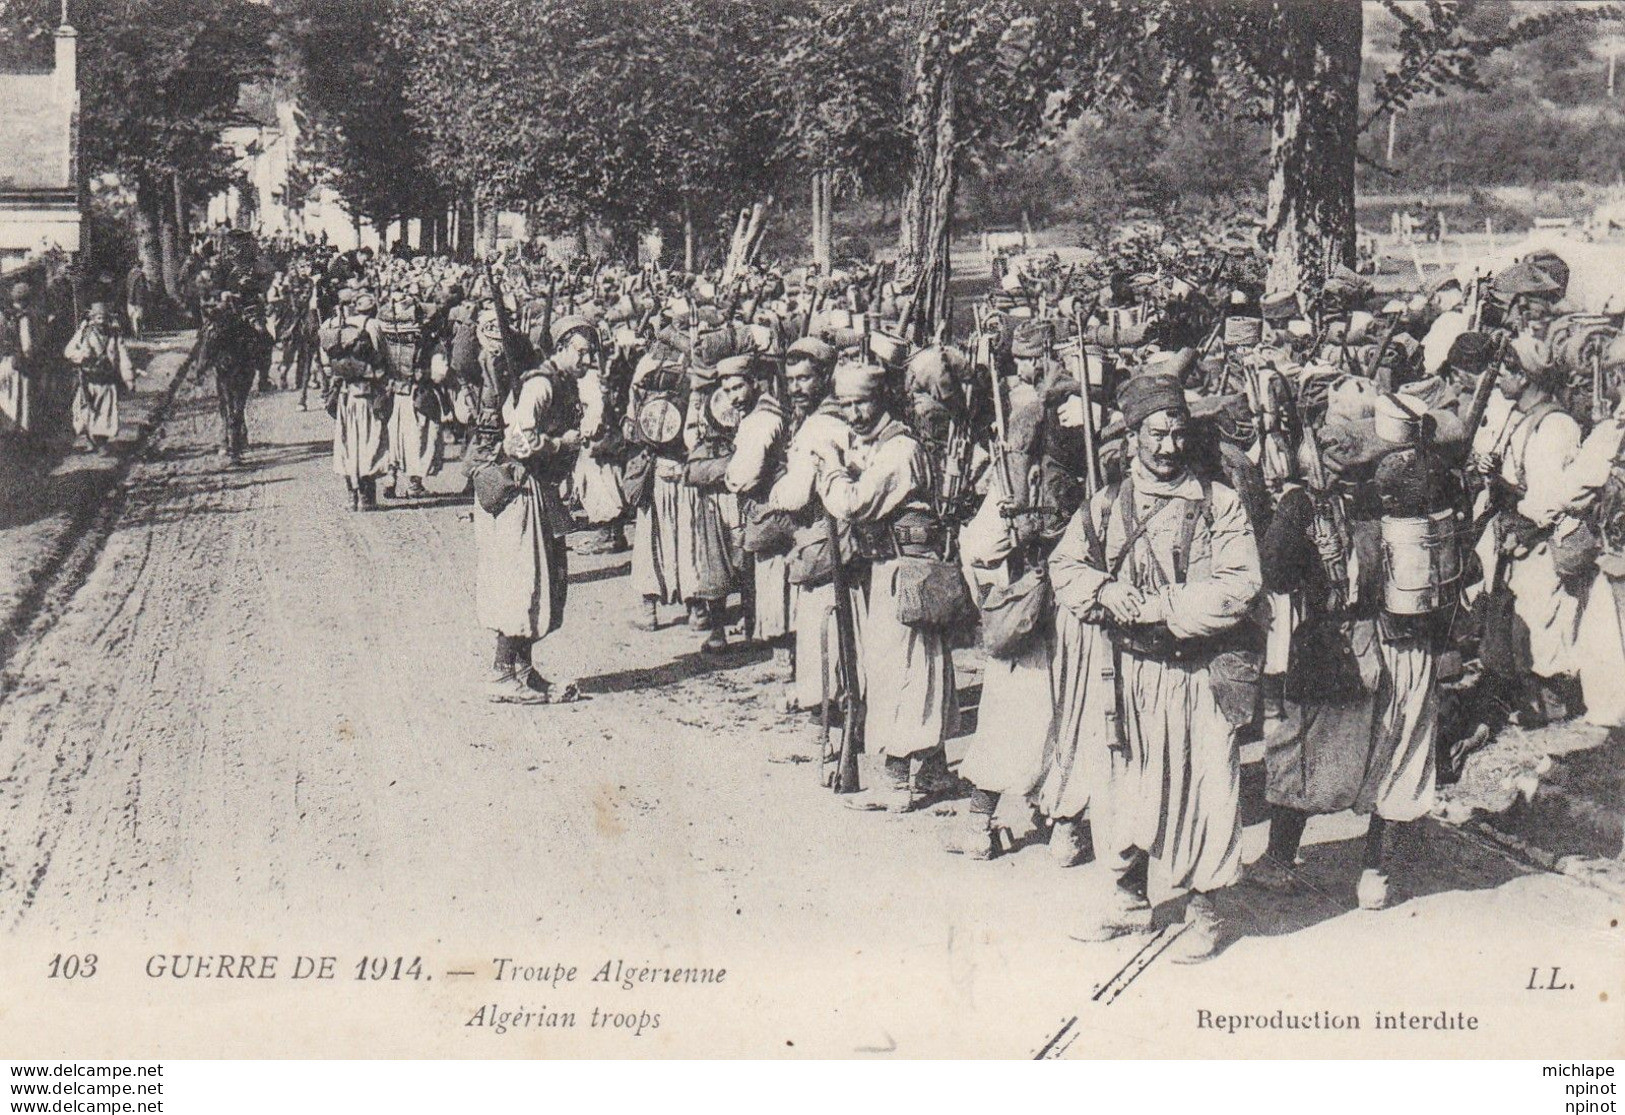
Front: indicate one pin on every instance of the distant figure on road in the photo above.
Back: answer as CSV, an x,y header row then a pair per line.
x,y
135,300
20,344
97,353
237,345
352,353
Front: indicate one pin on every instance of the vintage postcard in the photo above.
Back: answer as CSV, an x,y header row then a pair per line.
x,y
811,529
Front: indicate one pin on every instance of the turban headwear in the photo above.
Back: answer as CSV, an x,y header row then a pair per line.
x,y
1144,395
858,381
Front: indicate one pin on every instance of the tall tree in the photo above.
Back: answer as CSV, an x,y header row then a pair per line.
x,y
159,82
350,77
985,76
840,76
1295,66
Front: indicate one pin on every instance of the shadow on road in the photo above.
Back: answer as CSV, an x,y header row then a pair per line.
x,y
606,573
688,666
1445,861
1578,805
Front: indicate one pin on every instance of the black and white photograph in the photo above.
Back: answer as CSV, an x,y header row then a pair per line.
x,y
812,529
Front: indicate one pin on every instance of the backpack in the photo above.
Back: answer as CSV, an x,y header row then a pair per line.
x,y
351,353
659,402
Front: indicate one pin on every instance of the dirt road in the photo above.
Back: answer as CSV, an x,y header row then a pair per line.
x,y
259,728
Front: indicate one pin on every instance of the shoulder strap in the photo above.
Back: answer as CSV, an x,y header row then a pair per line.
x,y
1124,494
1097,545
1528,426
1187,531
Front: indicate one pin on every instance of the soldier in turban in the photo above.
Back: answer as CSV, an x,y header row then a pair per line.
x,y
880,487
1168,562
1533,445
98,353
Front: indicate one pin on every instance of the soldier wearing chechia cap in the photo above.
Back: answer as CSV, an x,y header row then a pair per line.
x,y
1525,452
1169,563
817,432
529,435
757,460
352,356
881,487
709,520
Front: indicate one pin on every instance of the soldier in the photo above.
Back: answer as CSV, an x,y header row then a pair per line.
x,y
1526,462
238,348
597,480
98,353
654,480
1034,490
1324,555
1169,562
527,445
881,487
414,433
712,525
21,343
1419,496
757,460
816,431
353,358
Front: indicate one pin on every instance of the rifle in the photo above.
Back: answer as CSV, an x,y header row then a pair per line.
x,y
1001,451
1599,407
513,346
1380,351
1091,444
1481,396
846,636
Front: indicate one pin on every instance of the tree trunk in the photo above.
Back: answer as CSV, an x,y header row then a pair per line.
x,y
823,236
148,240
465,227
1309,223
688,236
928,204
183,230
485,227
169,251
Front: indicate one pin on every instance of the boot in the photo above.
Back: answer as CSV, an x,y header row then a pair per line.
x,y
699,615
716,642
973,836
415,488
1270,874
507,687
1117,911
929,782
1371,892
1203,933
367,493
600,540
891,795
649,618
1275,870
1069,843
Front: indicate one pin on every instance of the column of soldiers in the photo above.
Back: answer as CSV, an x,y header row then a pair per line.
x,y
1172,517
